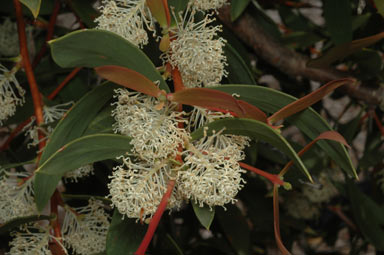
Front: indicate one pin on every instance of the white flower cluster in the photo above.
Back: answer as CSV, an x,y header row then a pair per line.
x,y
206,5
197,51
209,173
11,93
80,172
32,240
85,229
16,196
126,18
155,133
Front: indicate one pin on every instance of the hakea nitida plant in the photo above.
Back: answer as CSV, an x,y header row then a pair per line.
x,y
166,166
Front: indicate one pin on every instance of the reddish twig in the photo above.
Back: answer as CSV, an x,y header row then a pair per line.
x,y
155,219
337,210
51,26
64,82
37,102
378,122
14,133
276,221
272,177
56,200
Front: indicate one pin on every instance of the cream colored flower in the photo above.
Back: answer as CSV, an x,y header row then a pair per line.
x,y
16,196
197,52
126,18
32,240
85,228
11,93
137,188
205,5
213,174
80,172
155,133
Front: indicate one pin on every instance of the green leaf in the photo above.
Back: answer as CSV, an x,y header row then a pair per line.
x,y
78,118
368,215
102,123
338,19
255,130
341,51
235,228
12,224
124,235
237,8
308,121
92,48
238,71
204,214
33,6
79,152
380,6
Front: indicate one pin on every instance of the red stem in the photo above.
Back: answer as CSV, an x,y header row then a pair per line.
x,y
64,82
51,26
55,202
37,102
272,177
155,219
378,122
167,14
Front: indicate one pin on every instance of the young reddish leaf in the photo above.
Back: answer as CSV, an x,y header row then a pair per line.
x,y
129,79
343,50
213,99
160,12
276,221
308,100
328,135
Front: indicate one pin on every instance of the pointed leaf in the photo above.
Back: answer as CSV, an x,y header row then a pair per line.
x,y
158,11
77,119
124,235
308,100
204,214
213,99
33,6
238,71
93,47
255,130
129,79
339,52
308,121
79,152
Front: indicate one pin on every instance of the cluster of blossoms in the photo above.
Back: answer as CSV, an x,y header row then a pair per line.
x,y
206,171
11,93
84,229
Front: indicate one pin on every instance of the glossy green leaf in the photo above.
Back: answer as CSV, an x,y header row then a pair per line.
x,y
129,79
238,7
33,6
338,19
102,123
238,71
78,118
255,130
308,121
341,51
235,228
368,215
216,100
17,222
379,6
92,48
124,235
204,214
79,152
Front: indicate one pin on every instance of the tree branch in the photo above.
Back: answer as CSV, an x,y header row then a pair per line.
x,y
289,61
